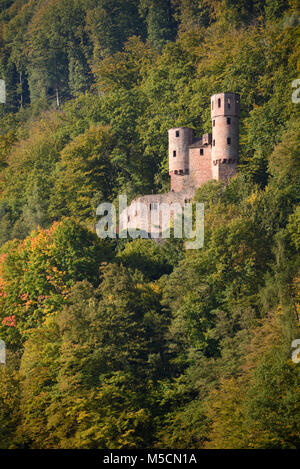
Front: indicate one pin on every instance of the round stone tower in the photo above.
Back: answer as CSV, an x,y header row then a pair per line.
x,y
179,140
225,111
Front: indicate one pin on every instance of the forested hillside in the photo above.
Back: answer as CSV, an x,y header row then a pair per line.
x,y
129,343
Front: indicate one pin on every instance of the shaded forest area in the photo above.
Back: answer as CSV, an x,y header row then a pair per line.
x,y
127,343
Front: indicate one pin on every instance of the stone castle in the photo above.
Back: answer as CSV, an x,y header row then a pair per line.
x,y
193,161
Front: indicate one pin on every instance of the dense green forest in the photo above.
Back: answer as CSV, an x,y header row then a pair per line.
x,y
130,343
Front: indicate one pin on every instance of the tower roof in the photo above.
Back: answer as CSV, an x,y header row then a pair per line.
x,y
196,144
225,104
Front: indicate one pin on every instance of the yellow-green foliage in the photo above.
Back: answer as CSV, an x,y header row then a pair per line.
x,y
131,344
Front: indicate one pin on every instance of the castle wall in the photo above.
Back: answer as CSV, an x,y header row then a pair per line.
x,y
136,217
223,170
200,165
177,182
226,171
181,182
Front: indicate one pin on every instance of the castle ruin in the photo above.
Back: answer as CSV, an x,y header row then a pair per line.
x,y
193,161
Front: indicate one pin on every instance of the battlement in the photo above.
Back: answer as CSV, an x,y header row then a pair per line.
x,y
225,104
